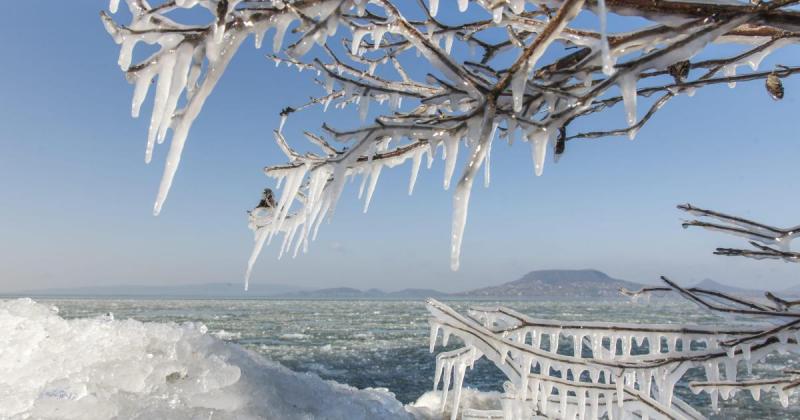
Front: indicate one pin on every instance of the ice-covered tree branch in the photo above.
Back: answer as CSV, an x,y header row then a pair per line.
x,y
760,236
372,52
569,369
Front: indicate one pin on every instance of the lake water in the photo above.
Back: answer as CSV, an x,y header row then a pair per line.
x,y
385,343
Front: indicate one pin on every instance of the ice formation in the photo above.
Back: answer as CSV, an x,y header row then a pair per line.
x,y
593,369
101,368
597,370
445,112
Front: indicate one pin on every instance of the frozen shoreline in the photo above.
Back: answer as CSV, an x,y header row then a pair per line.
x,y
100,368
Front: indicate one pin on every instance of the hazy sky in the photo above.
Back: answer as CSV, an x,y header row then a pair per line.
x,y
77,197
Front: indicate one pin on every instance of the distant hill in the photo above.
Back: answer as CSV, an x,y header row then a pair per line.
x,y
556,284
719,287
208,290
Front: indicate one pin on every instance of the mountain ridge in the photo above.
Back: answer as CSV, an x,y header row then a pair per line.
x,y
552,284
557,284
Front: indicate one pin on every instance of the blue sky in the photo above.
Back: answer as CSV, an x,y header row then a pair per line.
x,y
77,196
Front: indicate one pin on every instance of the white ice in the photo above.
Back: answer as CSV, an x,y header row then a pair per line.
x,y
101,368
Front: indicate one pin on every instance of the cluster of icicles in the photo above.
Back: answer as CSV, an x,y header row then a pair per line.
x,y
191,60
592,369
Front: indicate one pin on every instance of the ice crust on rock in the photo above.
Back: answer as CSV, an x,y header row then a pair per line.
x,y
101,368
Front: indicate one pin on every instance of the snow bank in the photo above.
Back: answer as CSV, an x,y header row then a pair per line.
x,y
99,368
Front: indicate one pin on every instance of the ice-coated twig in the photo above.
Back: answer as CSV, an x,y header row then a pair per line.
x,y
761,252
760,235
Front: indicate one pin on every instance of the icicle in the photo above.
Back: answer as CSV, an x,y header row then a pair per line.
x,y
261,237
526,371
497,14
375,172
487,165
438,373
144,79
654,344
712,375
625,341
395,101
363,106
183,62
448,42
577,346
594,397
534,388
358,35
755,391
563,398
746,356
619,381
451,155
434,7
113,5
609,396
448,369
730,71
258,38
784,397
126,53
166,67
282,122
462,5
594,374
188,116
518,6
415,164
457,384
648,383
627,84
282,24
539,141
377,37
547,390
608,64
730,369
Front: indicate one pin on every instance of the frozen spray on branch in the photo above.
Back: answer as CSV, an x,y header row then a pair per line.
x,y
369,55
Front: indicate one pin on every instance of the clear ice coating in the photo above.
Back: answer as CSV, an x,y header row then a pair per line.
x,y
551,366
596,369
428,104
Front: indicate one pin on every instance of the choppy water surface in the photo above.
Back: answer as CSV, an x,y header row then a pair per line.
x,y
385,343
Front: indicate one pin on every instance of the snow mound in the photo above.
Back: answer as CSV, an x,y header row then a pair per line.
x,y
100,368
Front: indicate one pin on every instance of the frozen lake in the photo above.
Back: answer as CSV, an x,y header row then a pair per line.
x,y
385,343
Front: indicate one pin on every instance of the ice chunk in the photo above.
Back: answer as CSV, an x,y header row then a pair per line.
x,y
99,368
